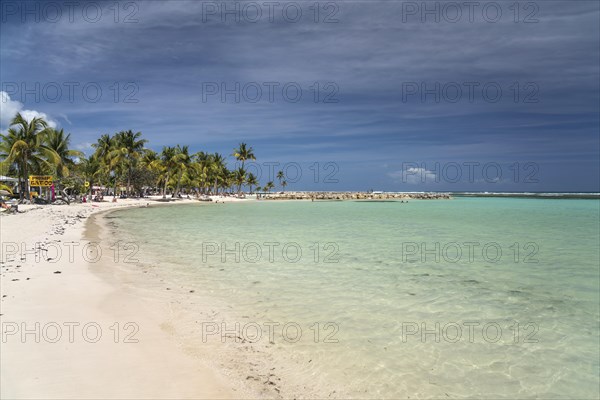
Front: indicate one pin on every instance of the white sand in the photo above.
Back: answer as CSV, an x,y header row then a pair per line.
x,y
155,367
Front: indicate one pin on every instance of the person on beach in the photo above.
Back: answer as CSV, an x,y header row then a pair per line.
x,y
9,208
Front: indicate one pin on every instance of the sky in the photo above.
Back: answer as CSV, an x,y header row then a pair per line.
x,y
341,95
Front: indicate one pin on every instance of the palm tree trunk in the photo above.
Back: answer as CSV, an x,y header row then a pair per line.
x,y
178,185
26,177
165,186
21,182
129,182
108,181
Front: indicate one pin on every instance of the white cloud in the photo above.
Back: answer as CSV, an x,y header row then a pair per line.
x,y
64,116
9,108
85,146
414,176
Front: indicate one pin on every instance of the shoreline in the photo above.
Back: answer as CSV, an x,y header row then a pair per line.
x,y
255,369
146,301
71,329
126,302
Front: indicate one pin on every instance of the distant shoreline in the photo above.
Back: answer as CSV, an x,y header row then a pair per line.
x,y
351,196
542,195
356,195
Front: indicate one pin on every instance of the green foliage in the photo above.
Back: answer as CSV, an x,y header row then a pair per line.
x,y
32,147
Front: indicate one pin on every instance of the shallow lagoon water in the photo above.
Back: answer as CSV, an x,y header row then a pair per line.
x,y
472,297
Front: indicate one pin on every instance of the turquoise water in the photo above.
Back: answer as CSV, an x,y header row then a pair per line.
x,y
486,298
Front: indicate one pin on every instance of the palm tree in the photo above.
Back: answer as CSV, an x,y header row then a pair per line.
x,y
104,146
116,161
239,177
229,181
218,170
251,181
184,166
23,147
270,185
91,168
59,143
150,161
128,148
244,153
9,166
283,185
201,170
169,162
31,147
280,176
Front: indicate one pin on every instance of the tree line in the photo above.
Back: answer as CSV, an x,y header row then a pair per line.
x,y
32,147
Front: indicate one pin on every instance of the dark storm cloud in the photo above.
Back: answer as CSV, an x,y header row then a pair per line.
x,y
374,58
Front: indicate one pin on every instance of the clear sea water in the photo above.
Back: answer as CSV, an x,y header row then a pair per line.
x,y
471,297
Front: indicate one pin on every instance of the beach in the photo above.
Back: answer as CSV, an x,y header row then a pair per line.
x,y
54,298
308,200
302,301
79,322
